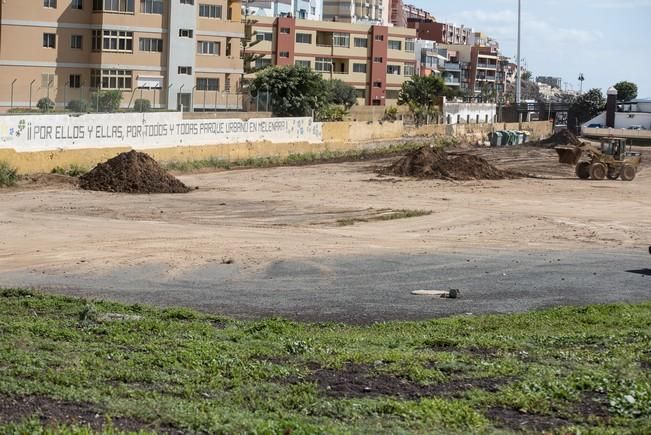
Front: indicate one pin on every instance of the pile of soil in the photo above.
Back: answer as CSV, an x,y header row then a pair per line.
x,y
563,137
430,162
131,172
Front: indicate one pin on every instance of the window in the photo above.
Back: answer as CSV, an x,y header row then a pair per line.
x,y
303,38
410,45
74,81
378,59
285,30
304,64
377,84
48,80
114,5
210,11
341,39
227,83
409,69
379,37
76,41
185,33
77,4
50,4
111,79
228,47
263,36
206,84
393,69
112,40
187,2
392,94
361,42
151,44
359,67
395,45
360,93
185,70
49,40
152,6
261,63
209,47
323,64
284,54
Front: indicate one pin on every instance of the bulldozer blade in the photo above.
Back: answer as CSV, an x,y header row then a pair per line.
x,y
569,155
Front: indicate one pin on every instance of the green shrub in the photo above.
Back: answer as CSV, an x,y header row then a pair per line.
x,y
142,105
332,113
72,171
391,114
77,106
106,101
8,175
45,105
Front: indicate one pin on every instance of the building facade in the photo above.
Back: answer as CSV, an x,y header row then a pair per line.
x,y
302,9
375,12
171,52
443,33
375,60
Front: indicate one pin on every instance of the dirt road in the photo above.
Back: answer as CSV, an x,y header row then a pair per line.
x,y
249,220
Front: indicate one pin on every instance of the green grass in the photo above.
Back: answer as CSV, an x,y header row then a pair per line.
x,y
392,215
292,159
176,368
8,175
72,171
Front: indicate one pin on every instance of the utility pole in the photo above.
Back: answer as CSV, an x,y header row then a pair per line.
x,y
518,85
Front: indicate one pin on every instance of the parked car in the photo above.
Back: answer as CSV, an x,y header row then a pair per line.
x,y
636,127
595,126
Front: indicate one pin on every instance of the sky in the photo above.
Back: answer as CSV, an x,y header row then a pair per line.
x,y
606,40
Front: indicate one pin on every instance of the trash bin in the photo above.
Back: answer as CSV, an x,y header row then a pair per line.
x,y
496,138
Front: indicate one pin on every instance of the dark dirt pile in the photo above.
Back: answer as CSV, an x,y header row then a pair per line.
x,y
563,137
429,162
131,172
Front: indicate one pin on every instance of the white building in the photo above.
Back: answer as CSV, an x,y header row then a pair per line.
x,y
302,9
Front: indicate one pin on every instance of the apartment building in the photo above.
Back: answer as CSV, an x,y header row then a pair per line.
x,y
375,12
482,68
375,60
168,51
303,9
443,33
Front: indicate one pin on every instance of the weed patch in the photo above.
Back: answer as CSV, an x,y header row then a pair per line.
x,y
8,175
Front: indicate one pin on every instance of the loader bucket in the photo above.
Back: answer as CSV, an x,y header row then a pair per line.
x,y
569,155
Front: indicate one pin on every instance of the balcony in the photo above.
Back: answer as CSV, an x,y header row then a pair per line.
x,y
486,65
451,66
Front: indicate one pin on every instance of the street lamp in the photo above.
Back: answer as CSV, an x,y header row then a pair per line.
x,y
181,97
581,79
518,85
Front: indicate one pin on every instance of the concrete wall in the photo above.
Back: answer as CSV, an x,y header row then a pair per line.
x,y
336,136
469,113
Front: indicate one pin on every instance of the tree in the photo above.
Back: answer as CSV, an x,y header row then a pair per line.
x,y
341,94
45,104
421,95
77,106
588,105
142,105
626,91
293,91
106,101
526,76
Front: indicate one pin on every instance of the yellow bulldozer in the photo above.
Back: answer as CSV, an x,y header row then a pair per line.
x,y
614,160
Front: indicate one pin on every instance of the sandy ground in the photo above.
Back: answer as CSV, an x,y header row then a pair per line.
x,y
254,217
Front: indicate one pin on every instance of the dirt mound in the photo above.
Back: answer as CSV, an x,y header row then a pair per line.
x,y
131,172
563,137
429,162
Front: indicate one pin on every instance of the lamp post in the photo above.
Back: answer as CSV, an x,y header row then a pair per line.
x,y
181,96
581,79
30,93
12,93
192,99
518,85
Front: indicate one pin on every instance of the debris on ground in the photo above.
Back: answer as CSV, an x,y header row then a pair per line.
x,y
569,155
131,172
451,294
562,137
434,163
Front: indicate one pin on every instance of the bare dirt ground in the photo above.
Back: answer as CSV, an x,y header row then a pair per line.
x,y
258,217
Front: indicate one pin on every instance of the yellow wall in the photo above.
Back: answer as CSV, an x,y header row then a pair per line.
x,y
338,136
